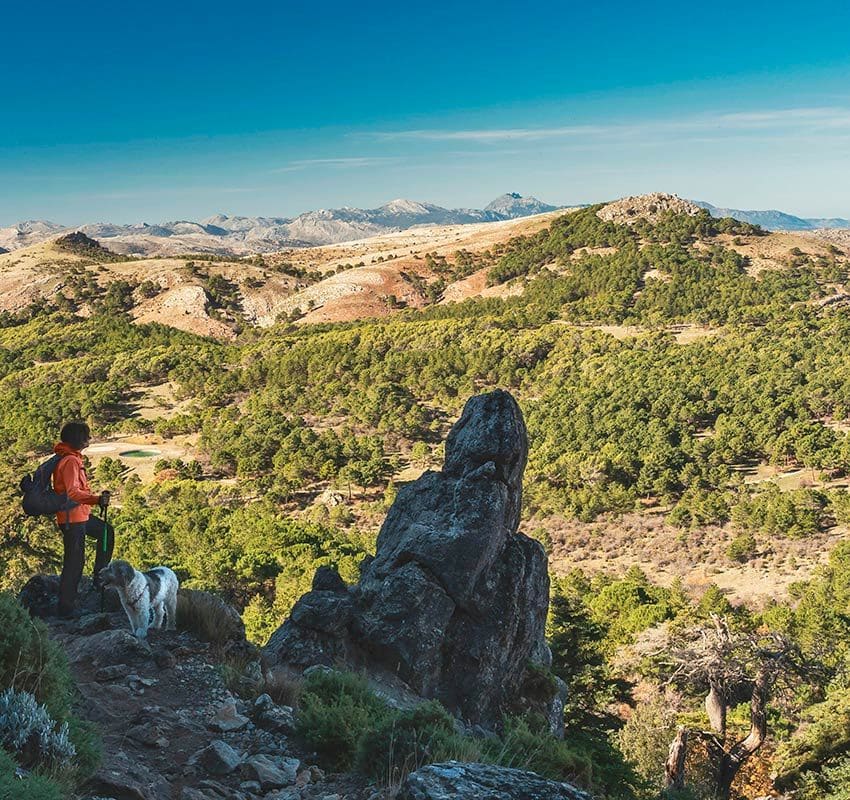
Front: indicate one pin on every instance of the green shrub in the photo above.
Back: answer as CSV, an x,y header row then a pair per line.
x,y
350,728
30,787
337,708
645,738
825,734
29,661
527,744
832,782
408,740
86,739
742,548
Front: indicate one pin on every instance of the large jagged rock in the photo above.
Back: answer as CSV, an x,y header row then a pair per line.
x,y
483,782
454,602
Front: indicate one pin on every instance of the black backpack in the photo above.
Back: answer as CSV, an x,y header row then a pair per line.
x,y
39,495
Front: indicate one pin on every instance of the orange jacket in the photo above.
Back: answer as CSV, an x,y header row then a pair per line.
x,y
70,477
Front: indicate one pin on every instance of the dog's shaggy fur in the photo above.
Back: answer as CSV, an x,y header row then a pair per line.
x,y
149,598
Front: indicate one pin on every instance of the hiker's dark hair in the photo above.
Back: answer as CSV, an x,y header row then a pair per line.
x,y
75,433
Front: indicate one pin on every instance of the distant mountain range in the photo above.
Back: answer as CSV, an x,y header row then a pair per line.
x,y
243,235
776,220
240,235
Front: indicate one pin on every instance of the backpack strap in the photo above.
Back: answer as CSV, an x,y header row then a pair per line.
x,y
59,460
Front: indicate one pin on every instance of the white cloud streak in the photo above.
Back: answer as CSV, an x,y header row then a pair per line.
x,y
779,121
341,163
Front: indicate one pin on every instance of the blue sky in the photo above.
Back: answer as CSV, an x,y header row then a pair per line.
x,y
130,112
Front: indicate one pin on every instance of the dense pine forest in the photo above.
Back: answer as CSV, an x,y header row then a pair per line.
x,y
299,436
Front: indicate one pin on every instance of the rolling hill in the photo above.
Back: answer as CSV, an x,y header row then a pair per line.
x,y
370,277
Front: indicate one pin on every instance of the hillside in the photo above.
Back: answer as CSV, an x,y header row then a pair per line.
x,y
718,292
331,283
367,278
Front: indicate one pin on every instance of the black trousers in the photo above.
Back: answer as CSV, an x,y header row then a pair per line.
x,y
74,538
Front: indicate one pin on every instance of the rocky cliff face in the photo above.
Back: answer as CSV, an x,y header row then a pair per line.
x,y
454,601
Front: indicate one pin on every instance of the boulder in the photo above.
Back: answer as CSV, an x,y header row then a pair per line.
x,y
292,793
271,773
453,779
327,579
40,593
122,777
114,672
227,719
271,717
218,757
454,601
188,793
113,647
91,623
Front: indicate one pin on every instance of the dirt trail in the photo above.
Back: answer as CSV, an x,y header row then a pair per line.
x,y
160,704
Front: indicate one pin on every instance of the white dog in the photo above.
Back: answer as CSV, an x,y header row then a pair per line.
x,y
147,597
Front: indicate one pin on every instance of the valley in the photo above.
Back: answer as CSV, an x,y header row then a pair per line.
x,y
682,378
439,271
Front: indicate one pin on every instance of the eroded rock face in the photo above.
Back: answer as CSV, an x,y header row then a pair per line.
x,y
454,602
483,782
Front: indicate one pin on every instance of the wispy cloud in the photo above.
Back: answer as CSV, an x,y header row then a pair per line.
x,y
342,163
777,120
489,134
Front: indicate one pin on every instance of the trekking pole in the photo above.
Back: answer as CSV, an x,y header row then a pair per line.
x,y
105,534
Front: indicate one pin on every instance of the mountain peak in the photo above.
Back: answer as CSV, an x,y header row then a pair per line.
x,y
513,204
403,206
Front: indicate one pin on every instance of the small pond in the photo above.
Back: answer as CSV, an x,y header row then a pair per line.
x,y
139,453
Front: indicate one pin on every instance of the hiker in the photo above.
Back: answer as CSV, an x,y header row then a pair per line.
x,y
76,524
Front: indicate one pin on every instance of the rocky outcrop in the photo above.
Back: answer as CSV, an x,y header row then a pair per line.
x,y
80,244
454,601
483,782
650,207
